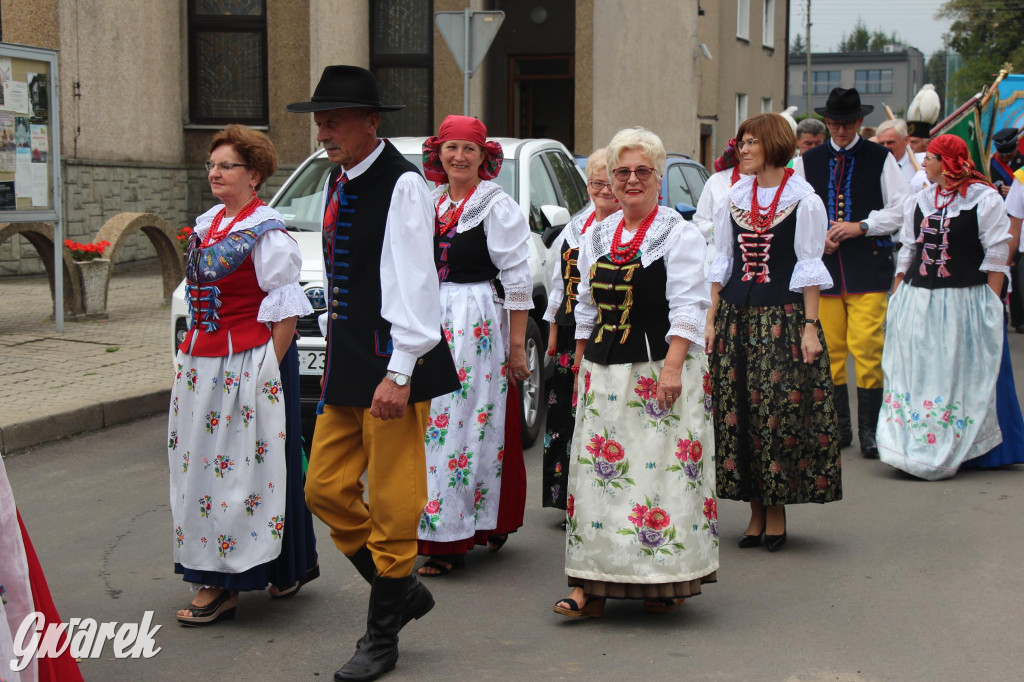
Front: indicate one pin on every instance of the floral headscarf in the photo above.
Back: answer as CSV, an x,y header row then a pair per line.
x,y
461,128
728,159
957,167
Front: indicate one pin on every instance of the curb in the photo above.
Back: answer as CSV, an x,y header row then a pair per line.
x,y
26,434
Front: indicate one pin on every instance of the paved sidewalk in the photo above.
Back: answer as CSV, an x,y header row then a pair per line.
x,y
96,374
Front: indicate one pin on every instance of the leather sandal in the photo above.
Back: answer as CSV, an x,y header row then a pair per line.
x,y
221,608
292,590
662,605
593,608
453,561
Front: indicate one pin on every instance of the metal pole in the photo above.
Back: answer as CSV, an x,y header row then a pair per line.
x,y
468,14
808,74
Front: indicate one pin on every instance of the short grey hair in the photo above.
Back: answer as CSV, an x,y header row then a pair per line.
x,y
637,139
595,162
897,124
810,126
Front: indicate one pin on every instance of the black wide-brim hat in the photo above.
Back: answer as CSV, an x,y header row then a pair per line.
x,y
844,105
344,87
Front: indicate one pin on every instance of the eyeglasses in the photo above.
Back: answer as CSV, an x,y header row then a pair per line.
x,y
841,125
225,166
599,186
642,173
746,143
929,157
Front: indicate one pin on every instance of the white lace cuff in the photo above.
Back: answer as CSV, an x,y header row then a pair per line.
x,y
810,272
284,302
584,329
720,270
904,258
552,311
995,259
688,323
518,299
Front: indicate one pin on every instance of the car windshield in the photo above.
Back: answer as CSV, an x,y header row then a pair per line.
x,y
300,202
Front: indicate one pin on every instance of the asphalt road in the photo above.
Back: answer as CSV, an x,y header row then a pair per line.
x,y
901,580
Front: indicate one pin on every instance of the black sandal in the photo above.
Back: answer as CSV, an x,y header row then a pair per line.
x,y
221,608
291,591
496,542
593,608
453,560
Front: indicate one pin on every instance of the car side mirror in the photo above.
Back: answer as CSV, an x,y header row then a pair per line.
x,y
686,210
554,219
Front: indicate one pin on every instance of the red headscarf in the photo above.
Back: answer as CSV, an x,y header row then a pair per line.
x,y
957,167
728,159
461,128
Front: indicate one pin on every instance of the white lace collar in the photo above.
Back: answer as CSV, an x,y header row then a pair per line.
x,y
260,215
660,235
477,207
975,191
575,226
796,189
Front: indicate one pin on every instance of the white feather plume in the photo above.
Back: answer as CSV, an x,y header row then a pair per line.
x,y
926,106
788,115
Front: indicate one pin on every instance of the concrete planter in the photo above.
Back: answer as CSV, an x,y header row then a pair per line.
x,y
94,276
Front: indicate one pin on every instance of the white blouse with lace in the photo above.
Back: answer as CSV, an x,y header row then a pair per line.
x,y
508,237
570,234
277,260
682,247
993,224
809,240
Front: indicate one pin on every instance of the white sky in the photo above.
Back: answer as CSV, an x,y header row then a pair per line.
x,y
913,20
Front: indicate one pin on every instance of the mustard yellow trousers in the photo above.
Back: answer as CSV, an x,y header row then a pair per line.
x,y
854,324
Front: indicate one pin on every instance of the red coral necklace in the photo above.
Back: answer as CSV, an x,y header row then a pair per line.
x,y
588,223
759,220
620,253
450,218
216,234
952,195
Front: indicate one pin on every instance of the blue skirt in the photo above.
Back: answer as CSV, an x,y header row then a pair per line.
x,y
298,548
1011,450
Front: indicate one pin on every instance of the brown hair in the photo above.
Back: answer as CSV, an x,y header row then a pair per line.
x,y
775,135
254,147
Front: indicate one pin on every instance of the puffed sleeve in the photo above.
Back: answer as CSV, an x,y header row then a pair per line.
x,y
585,312
721,267
994,233
278,262
555,293
686,289
907,238
508,243
811,226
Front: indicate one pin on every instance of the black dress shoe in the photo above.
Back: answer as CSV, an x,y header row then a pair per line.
x,y
750,540
775,542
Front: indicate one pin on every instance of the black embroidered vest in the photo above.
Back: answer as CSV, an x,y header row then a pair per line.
x,y
762,264
462,257
632,312
567,257
850,186
359,338
948,251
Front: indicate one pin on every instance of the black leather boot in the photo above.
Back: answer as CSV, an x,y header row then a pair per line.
x,y
418,600
842,403
379,653
869,403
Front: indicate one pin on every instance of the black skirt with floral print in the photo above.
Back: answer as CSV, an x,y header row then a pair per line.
x,y
560,421
776,434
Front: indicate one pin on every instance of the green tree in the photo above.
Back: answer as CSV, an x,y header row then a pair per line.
x,y
798,45
880,41
859,39
986,33
935,71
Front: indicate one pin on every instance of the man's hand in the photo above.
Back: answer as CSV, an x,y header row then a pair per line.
x,y
389,400
842,230
830,244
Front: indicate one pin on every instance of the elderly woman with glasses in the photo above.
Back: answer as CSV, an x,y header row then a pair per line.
x,y
944,339
642,520
235,435
775,422
565,276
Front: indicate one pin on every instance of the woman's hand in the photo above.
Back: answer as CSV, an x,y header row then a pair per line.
x,y
670,386
552,338
517,367
809,344
709,331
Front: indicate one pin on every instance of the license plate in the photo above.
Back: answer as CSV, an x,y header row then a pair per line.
x,y
312,361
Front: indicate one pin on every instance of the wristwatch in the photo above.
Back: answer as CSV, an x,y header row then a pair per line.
x,y
402,380
863,226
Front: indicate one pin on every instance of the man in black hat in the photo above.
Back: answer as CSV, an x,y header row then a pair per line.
x,y
1006,160
385,359
863,190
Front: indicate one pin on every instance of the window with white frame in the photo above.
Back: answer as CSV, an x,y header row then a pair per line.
x,y
743,19
766,105
741,109
768,25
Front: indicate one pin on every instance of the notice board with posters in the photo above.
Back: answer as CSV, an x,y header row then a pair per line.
x,y
29,134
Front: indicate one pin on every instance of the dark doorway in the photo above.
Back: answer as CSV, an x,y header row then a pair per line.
x,y
541,96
